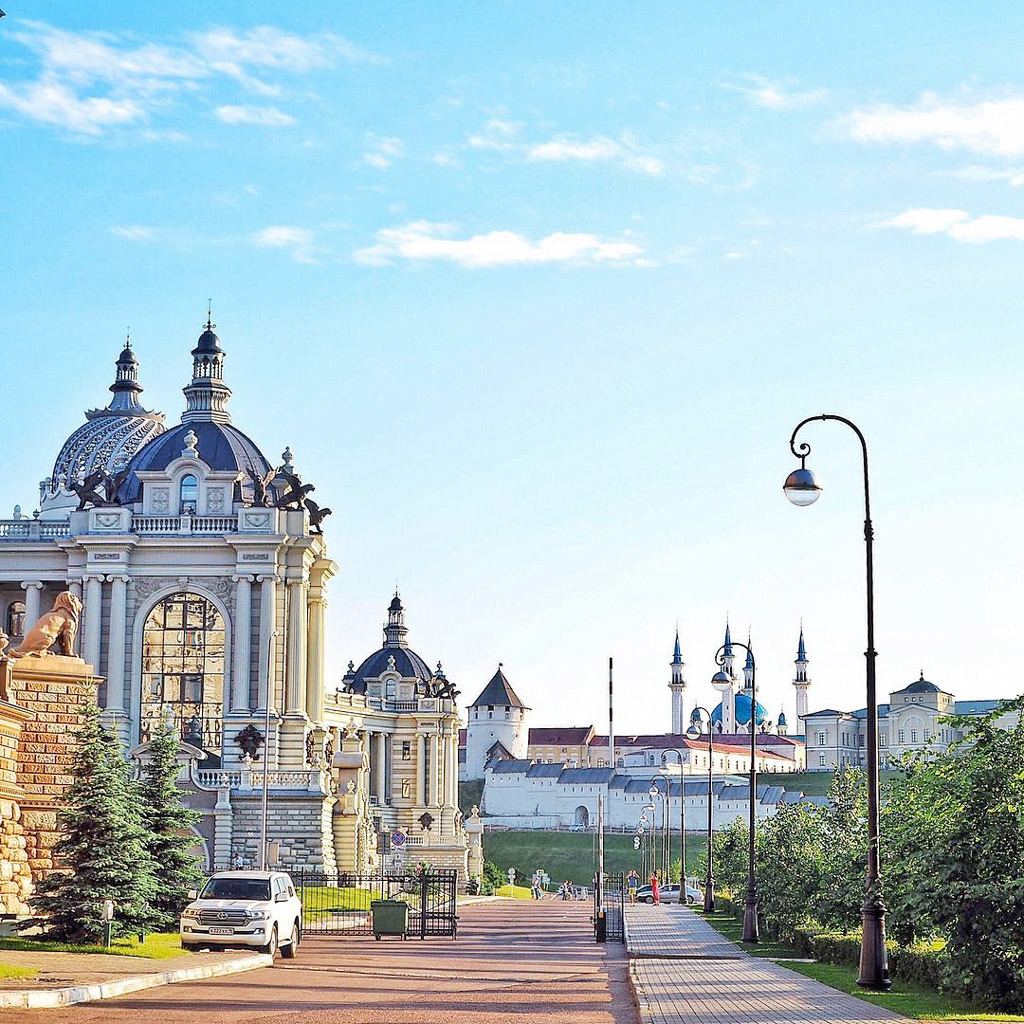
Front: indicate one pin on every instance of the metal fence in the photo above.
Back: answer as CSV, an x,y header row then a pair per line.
x,y
612,903
340,903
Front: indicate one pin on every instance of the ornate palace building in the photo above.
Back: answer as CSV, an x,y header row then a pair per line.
x,y
203,571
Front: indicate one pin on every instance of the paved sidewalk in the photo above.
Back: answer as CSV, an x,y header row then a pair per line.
x,y
686,972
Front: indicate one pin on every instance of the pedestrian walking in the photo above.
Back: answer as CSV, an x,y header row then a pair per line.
x,y
632,884
655,888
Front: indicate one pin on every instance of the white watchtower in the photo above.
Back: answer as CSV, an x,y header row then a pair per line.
x,y
496,717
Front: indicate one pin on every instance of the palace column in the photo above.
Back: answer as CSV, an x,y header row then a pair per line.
x,y
316,605
421,768
93,617
378,767
241,636
295,700
268,617
33,594
116,644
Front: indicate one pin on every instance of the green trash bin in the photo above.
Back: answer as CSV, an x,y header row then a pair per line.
x,y
390,917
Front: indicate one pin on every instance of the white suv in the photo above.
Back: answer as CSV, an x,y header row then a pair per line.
x,y
245,908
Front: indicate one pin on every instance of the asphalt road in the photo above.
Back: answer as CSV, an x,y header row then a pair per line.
x,y
514,962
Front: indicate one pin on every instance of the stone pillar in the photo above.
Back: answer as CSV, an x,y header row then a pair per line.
x,y
33,594
93,617
474,837
268,622
295,700
316,606
116,647
421,760
378,767
241,638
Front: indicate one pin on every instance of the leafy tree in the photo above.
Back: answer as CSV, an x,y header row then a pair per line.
x,y
168,841
959,818
790,857
101,846
844,842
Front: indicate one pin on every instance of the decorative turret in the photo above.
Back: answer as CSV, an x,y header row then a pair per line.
x,y
678,687
207,395
727,719
395,630
782,726
801,681
126,387
748,668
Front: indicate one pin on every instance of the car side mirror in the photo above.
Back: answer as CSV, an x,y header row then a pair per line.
x,y
281,897
192,894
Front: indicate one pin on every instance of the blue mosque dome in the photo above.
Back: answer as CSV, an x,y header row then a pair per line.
x,y
742,711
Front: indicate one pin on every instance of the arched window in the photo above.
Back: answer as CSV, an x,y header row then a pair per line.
x,y
16,620
188,495
183,671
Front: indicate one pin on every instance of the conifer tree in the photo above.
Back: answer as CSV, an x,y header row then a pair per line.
x,y
100,851
167,823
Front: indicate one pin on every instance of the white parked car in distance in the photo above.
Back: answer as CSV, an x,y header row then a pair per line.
x,y
253,909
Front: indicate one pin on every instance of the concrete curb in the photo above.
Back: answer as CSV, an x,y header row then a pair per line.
x,y
37,999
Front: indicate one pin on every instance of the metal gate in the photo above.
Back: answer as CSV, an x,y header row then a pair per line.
x,y
339,904
613,902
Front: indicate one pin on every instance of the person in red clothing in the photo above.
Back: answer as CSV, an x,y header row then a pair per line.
x,y
655,889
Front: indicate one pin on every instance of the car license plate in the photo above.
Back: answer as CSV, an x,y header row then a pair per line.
x,y
222,931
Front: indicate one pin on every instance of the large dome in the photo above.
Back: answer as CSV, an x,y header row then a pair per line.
x,y
742,711
220,445
108,440
407,663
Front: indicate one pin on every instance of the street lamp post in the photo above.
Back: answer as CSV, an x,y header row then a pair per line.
x,y
682,820
802,488
653,792
751,932
694,732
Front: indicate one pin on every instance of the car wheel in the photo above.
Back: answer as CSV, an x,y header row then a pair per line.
x,y
289,951
271,947
649,900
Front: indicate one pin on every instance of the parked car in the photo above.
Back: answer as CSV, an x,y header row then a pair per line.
x,y
669,894
252,909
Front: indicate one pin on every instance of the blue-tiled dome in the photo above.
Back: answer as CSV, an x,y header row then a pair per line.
x,y
220,445
742,711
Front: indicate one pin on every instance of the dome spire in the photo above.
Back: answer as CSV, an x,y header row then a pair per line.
x,y
207,395
126,387
395,629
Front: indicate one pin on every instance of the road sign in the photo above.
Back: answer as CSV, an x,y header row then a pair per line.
x,y
398,839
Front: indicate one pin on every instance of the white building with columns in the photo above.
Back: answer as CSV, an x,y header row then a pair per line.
x,y
203,573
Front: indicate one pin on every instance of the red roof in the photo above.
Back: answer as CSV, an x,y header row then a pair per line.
x,y
564,736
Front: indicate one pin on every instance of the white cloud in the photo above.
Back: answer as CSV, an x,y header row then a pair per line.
x,y
51,102
446,160
282,236
271,117
991,126
959,225
135,232
423,241
567,147
385,151
498,135
774,95
89,82
1011,175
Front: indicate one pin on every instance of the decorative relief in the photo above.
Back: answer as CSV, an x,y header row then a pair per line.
x,y
147,586
215,499
161,500
256,521
107,520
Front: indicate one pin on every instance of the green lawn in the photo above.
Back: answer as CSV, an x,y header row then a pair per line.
x,y
571,855
812,783
517,892
8,971
904,997
470,795
158,946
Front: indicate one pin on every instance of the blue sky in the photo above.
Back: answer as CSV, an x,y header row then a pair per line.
x,y
536,294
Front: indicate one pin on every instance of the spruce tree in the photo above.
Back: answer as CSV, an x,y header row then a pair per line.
x,y
100,852
167,822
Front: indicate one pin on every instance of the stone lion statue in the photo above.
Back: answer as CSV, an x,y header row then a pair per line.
x,y
59,625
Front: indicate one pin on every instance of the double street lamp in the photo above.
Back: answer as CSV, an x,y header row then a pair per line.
x,y
751,932
682,820
693,732
802,488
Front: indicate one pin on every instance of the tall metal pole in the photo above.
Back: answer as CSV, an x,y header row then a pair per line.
x,y
682,822
611,720
874,966
709,881
266,749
